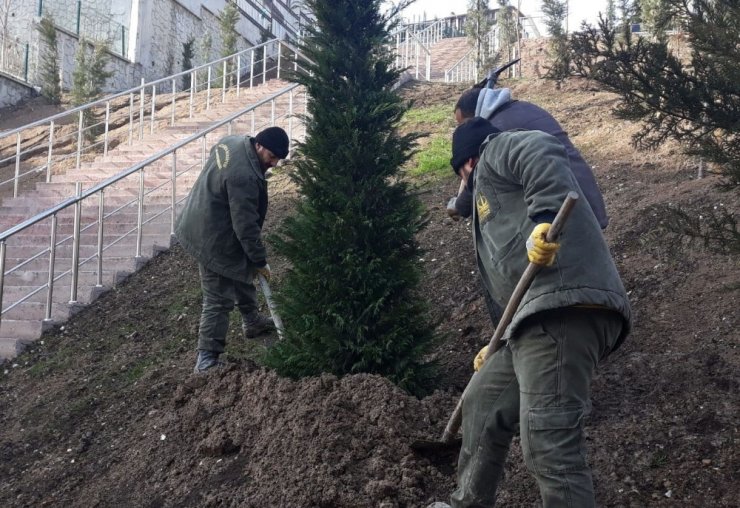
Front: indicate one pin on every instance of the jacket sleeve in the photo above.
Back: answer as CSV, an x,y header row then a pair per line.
x,y
464,203
244,195
536,162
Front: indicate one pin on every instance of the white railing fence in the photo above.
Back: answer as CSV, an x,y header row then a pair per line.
x,y
412,54
15,57
64,140
466,69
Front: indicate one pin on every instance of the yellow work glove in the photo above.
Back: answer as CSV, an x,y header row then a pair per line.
x,y
264,271
480,358
540,251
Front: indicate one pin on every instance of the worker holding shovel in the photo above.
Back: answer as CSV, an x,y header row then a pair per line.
x,y
573,314
221,227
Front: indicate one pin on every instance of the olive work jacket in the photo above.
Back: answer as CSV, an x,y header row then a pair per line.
x,y
525,174
505,114
222,220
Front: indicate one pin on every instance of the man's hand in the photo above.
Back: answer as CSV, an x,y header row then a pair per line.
x,y
264,271
480,358
540,251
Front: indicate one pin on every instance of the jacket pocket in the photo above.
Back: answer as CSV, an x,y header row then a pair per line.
x,y
555,439
508,264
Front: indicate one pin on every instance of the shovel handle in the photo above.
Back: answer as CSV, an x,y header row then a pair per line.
x,y
271,305
453,425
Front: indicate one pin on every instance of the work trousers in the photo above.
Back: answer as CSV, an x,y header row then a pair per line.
x,y
220,294
540,380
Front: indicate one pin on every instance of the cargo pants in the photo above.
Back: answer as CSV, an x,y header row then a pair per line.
x,y
540,380
220,294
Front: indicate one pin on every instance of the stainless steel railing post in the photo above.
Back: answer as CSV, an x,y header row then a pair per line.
x,y
131,118
76,244
174,97
208,90
173,214
16,179
101,220
238,73
223,83
79,139
107,123
154,109
141,110
49,154
52,268
279,52
193,82
140,214
251,68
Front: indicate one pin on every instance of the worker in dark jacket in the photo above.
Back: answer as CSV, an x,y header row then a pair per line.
x,y
505,113
573,315
221,227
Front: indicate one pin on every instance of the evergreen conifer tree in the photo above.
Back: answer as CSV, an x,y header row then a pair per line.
x,y
507,31
188,52
51,88
555,12
477,26
229,36
88,78
696,102
350,300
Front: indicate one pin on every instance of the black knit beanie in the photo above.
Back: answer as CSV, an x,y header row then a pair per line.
x,y
274,139
467,138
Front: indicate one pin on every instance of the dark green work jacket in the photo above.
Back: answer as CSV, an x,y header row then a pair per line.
x,y
222,220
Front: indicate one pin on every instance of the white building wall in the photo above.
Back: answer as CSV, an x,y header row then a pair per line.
x,y
157,31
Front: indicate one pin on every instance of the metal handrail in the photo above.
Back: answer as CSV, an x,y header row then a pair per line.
x,y
456,71
133,169
99,190
428,62
404,54
432,33
85,139
136,89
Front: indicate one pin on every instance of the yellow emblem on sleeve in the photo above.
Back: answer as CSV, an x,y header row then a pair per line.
x,y
222,156
482,206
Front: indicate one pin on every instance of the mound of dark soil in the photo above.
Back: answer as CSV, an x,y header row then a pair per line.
x,y
105,411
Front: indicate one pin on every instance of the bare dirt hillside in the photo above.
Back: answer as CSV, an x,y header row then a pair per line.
x,y
105,411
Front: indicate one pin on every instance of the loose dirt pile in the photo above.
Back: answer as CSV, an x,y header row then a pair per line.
x,y
105,411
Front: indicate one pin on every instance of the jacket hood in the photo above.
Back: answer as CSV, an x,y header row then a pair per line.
x,y
490,100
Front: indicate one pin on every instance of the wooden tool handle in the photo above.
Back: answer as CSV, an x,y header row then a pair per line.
x,y
453,425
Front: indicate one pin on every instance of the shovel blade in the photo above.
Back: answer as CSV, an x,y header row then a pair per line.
x,y
422,445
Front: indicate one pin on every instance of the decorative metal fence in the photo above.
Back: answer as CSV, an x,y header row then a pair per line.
x,y
85,20
15,57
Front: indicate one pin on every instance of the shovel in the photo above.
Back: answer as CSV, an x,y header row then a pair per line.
x,y
449,438
271,305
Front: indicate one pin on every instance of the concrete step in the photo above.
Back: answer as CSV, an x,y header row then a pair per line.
x,y
21,329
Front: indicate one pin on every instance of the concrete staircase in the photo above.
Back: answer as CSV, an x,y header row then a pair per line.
x,y
445,54
28,252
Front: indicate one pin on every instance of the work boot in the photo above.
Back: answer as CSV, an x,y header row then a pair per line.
x,y
256,324
206,360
